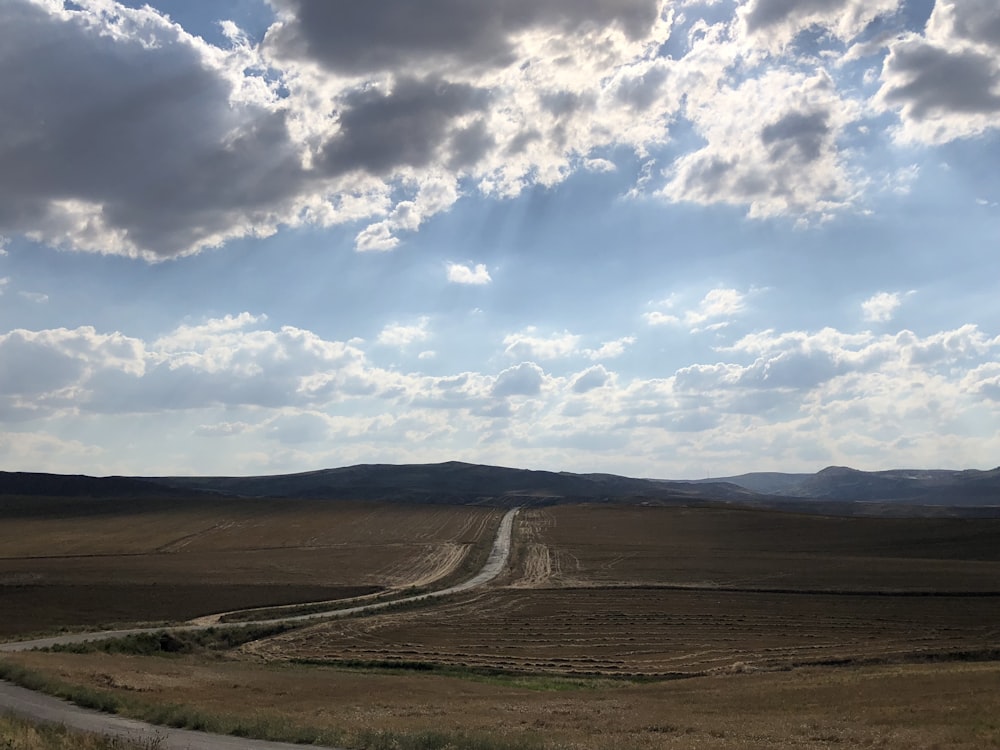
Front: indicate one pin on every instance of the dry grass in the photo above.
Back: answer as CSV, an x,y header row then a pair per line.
x,y
19,734
954,706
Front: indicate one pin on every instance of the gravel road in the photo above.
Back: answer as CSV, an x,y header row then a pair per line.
x,y
44,708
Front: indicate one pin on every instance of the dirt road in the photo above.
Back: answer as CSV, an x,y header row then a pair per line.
x,y
39,707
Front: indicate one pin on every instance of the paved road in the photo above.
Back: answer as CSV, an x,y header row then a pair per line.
x,y
44,708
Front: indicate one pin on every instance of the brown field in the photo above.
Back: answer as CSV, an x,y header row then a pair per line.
x,y
655,633
96,562
591,545
667,592
634,627
949,706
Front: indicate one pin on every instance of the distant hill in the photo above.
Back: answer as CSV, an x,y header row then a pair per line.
x,y
76,485
834,490
454,481
912,486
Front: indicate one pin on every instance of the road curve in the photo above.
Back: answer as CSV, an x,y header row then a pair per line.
x,y
38,707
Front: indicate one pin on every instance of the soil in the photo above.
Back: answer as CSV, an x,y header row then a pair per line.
x,y
94,563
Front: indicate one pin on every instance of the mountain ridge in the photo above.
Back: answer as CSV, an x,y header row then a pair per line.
x,y
835,489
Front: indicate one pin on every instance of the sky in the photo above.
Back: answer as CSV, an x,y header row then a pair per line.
x,y
660,238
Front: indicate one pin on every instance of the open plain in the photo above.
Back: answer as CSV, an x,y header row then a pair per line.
x,y
671,592
615,626
82,562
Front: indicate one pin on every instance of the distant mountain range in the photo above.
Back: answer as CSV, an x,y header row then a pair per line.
x,y
835,489
919,486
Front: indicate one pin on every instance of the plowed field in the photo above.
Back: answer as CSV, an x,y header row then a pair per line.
x,y
653,633
100,561
681,592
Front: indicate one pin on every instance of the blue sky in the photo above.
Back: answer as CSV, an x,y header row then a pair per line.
x,y
651,237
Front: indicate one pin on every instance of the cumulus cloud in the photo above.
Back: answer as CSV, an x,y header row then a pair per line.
x,y
775,23
398,35
610,349
881,307
771,144
945,83
528,343
401,335
127,135
243,378
459,273
588,380
715,310
525,379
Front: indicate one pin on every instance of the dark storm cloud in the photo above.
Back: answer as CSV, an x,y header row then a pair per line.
x,y
927,80
392,34
797,134
380,132
144,133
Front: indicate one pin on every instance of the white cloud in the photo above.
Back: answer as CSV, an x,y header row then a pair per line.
x,y
599,165
588,380
715,310
266,386
610,349
401,335
4,281
311,127
659,318
527,343
459,273
771,145
881,307
298,131
376,237
36,297
718,303
525,379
